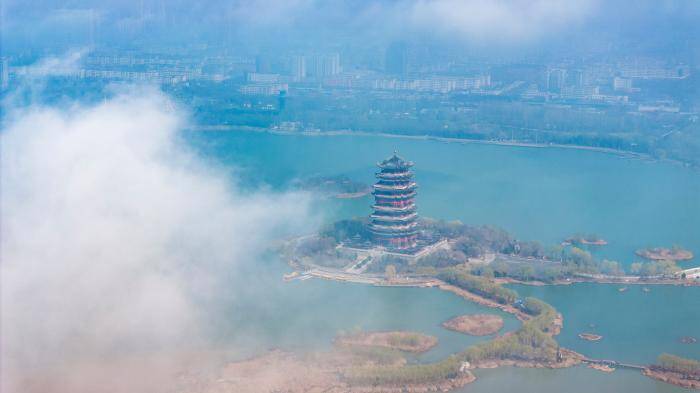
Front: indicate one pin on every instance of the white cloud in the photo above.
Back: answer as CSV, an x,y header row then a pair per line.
x,y
259,14
66,64
112,232
498,20
491,22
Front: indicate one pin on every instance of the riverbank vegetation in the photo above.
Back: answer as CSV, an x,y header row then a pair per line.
x,y
678,364
479,285
475,325
337,186
532,344
655,268
446,369
675,370
517,259
360,355
399,340
585,240
508,118
485,251
675,253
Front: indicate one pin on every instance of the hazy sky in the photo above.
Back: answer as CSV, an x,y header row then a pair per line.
x,y
652,25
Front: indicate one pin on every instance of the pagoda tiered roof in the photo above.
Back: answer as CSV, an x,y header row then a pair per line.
x,y
382,194
397,209
395,187
387,229
395,162
394,175
406,217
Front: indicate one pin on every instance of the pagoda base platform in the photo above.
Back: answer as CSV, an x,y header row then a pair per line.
x,y
423,247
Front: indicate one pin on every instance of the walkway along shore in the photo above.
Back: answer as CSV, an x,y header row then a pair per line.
x,y
603,279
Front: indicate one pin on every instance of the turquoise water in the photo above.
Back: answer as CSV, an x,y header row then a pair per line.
x,y
537,194
307,315
636,326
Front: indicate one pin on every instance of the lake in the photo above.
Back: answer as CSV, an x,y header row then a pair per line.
x,y
535,193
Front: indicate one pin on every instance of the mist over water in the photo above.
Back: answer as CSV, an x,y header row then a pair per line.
x,y
117,237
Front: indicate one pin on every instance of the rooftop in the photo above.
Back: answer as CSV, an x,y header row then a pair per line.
x,y
395,162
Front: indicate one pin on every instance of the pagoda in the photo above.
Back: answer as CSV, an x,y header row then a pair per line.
x,y
394,221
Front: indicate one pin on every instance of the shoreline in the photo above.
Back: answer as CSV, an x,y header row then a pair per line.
x,y
605,150
625,280
520,315
672,378
570,359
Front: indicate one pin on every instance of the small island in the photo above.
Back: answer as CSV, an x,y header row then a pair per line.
x,y
688,340
475,325
340,186
585,240
403,341
590,337
665,254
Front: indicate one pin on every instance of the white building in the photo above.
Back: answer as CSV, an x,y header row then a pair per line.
x,y
257,77
624,84
261,89
298,68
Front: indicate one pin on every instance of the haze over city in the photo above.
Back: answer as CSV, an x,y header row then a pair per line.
x,y
370,196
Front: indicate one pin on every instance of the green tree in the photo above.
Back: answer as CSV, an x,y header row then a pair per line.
x,y
390,272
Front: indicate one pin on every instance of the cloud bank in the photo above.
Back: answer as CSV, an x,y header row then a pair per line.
x,y
499,20
493,22
114,236
68,64
251,24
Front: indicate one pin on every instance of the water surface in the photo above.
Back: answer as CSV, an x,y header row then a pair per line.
x,y
537,194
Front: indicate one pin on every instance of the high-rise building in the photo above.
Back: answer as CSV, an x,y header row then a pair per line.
x,y
576,78
331,64
93,27
4,74
556,79
262,64
298,68
396,59
321,66
394,222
